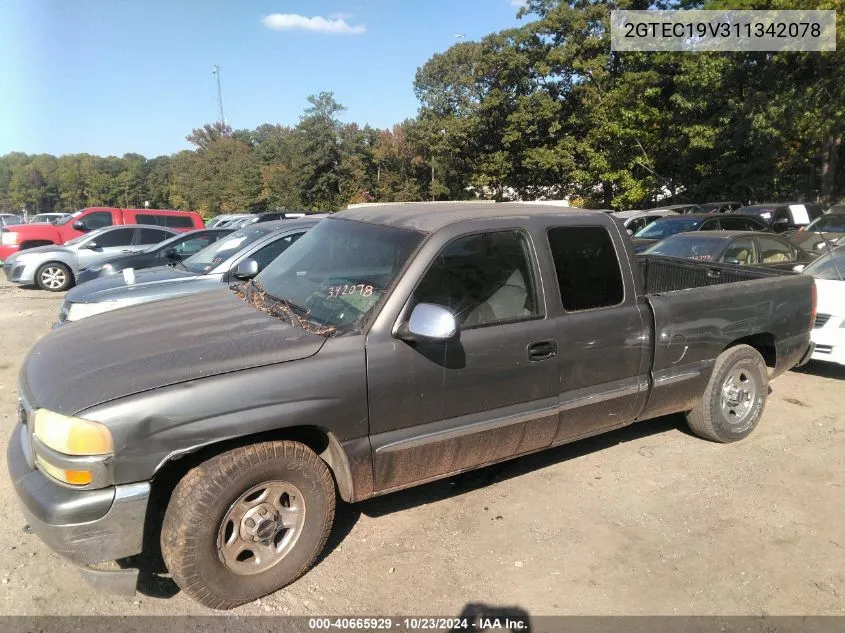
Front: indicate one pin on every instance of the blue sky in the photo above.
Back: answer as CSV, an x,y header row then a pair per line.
x,y
117,76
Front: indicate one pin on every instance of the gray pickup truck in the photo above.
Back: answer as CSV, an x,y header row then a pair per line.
x,y
388,347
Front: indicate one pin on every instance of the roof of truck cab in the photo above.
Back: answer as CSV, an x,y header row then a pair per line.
x,y
432,216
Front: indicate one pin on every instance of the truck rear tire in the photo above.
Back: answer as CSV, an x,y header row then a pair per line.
x,y
735,397
247,522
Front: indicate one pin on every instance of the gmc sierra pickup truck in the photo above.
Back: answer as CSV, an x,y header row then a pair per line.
x,y
23,236
388,347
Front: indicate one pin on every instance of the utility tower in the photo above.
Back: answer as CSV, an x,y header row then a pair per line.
x,y
216,73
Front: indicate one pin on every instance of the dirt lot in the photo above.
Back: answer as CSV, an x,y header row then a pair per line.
x,y
647,520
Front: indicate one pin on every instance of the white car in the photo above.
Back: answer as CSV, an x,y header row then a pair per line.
x,y
829,330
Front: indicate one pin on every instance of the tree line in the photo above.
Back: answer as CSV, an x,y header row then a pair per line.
x,y
542,110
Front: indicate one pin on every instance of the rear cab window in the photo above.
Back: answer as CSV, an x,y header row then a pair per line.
x,y
587,267
166,220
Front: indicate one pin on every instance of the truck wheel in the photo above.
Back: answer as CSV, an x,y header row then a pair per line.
x,y
734,399
247,522
54,277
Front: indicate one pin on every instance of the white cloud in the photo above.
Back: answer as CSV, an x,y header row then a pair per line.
x,y
518,3
332,25
339,16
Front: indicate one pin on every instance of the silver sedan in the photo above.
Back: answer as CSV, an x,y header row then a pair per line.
x,y
54,267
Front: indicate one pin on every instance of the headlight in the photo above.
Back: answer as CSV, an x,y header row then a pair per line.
x,y
8,238
78,311
69,436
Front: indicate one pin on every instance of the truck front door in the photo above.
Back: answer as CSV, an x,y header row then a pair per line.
x,y
443,407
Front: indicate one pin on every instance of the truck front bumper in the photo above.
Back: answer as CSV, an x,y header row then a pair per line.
x,y
87,527
7,250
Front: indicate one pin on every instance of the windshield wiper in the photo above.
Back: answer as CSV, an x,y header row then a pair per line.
x,y
255,293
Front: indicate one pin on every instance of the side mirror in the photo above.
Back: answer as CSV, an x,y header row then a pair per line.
x,y
171,253
79,225
799,268
92,245
247,269
430,322
630,232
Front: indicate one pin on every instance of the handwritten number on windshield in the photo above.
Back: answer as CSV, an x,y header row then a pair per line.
x,y
350,289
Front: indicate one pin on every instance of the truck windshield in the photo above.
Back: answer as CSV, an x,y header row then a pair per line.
x,y
334,275
68,218
659,229
214,254
688,246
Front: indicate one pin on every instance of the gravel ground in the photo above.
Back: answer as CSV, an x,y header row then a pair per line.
x,y
646,520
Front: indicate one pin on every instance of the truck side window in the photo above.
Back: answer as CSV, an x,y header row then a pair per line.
x,y
484,279
97,220
587,267
773,250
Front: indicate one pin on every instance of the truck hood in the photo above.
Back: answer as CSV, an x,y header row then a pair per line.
x,y
39,231
154,345
148,282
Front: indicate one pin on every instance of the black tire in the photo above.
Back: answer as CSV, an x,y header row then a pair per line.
x,y
198,522
729,411
54,277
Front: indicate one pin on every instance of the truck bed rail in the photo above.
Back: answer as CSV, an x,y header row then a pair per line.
x,y
667,274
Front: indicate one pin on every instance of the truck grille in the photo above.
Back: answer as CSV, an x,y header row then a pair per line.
x,y
821,319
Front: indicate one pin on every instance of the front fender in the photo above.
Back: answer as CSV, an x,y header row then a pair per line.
x,y
327,391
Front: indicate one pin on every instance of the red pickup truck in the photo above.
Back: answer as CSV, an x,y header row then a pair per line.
x,y
22,236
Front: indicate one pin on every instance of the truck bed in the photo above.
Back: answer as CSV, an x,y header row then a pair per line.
x,y
700,309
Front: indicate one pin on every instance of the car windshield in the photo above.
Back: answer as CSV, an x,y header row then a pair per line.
x,y
215,254
659,229
336,273
77,239
165,244
688,246
830,266
68,218
827,224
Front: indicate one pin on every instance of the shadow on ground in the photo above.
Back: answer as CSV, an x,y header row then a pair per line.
x,y
823,370
154,581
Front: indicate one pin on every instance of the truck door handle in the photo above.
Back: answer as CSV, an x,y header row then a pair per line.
x,y
542,350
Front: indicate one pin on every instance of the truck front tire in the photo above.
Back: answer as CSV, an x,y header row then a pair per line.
x,y
734,399
247,522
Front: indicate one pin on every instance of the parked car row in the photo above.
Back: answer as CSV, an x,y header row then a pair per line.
x,y
233,256
360,354
20,237
239,220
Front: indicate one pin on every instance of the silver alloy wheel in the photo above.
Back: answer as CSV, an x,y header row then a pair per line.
x,y
53,277
261,527
739,393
